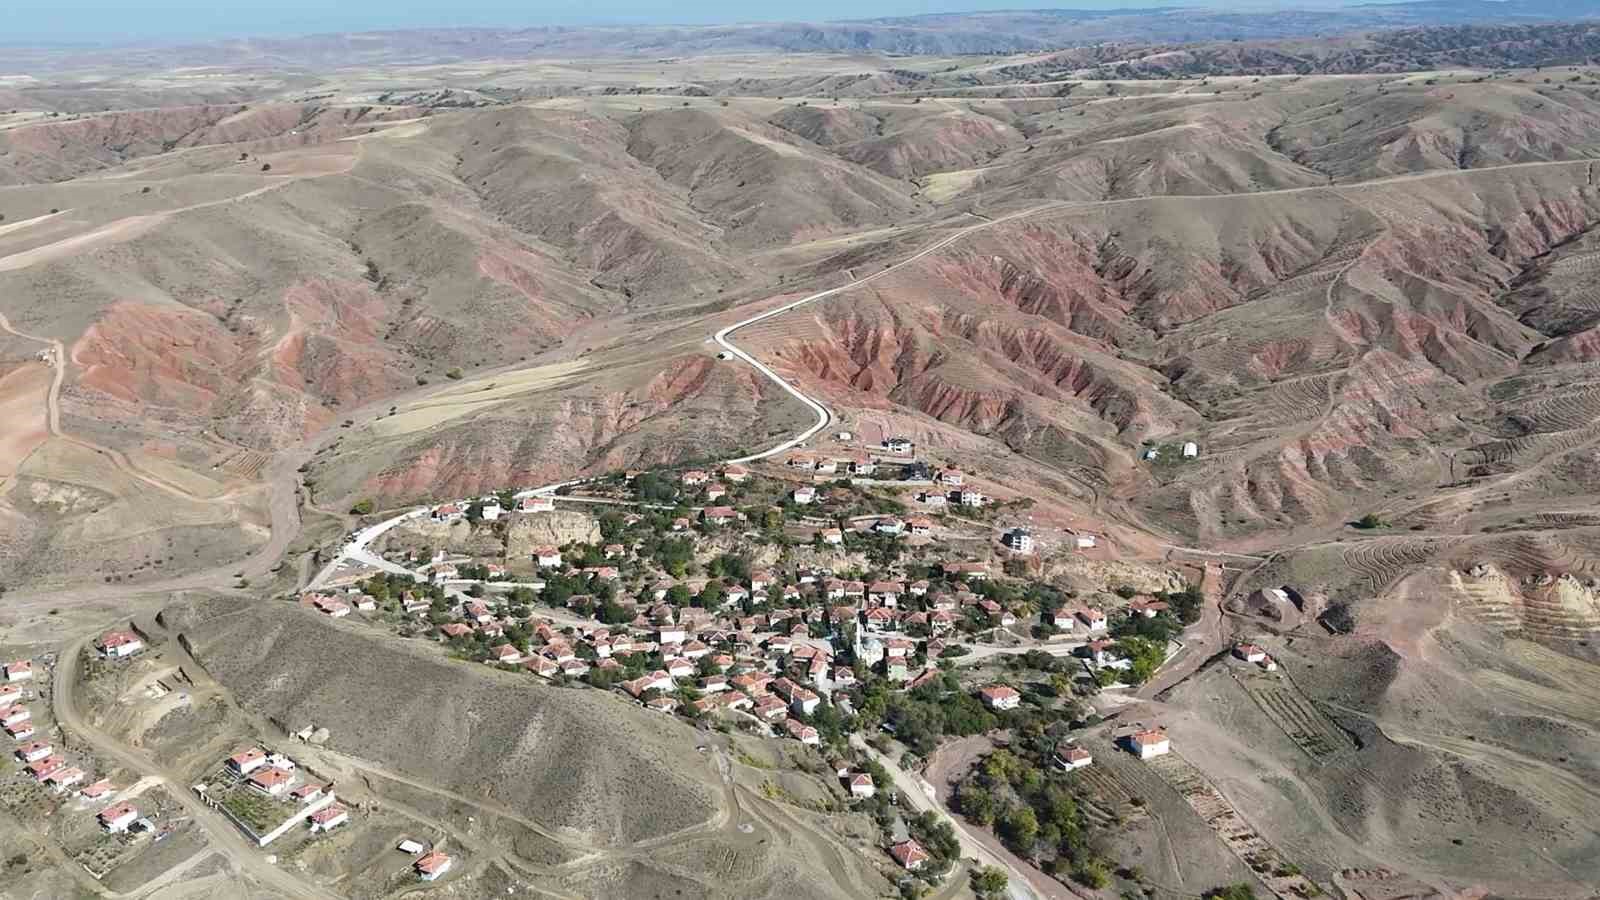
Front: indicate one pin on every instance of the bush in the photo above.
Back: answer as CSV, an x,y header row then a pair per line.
x,y
1091,873
1371,521
453,374
1240,891
362,507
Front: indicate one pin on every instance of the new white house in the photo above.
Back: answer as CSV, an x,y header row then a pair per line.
x,y
1150,743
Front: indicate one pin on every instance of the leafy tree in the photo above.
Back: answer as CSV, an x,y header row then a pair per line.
x,y
1091,872
1020,828
989,881
1239,891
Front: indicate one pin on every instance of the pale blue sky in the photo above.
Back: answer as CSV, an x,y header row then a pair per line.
x,y
121,20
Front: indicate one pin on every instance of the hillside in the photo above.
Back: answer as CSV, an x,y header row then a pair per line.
x,y
581,763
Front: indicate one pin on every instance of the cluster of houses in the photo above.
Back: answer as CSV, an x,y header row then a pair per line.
x,y
277,777
40,759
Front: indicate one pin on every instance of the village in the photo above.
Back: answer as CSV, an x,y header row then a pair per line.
x,y
832,600
862,608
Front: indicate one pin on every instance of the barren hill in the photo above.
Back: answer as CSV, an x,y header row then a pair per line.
x,y
582,763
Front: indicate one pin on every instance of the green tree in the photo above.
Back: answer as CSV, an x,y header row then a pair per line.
x,y
1239,891
1091,872
989,881
1020,828
362,507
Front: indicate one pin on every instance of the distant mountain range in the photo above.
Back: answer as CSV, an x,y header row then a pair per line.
x,y
934,34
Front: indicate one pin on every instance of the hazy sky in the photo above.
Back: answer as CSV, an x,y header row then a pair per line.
x,y
103,20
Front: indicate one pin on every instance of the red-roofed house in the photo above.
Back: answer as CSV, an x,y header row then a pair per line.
x,y
1249,652
1069,758
802,732
861,786
328,818
271,781
117,644
246,761
1000,697
432,866
547,557
1148,743
536,504
21,670
910,855
116,819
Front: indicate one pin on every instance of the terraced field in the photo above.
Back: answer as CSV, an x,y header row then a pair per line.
x,y
1382,561
1277,873
1103,799
1291,710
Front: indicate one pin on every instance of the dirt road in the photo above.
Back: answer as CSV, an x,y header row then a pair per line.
x,y
1201,641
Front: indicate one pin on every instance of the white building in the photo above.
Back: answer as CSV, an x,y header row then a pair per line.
x,y
1070,758
1019,540
1151,743
1190,449
117,644
1000,697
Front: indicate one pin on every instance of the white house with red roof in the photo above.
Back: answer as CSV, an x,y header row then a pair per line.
x,y
861,786
21,670
1249,652
117,644
247,760
448,512
33,751
802,732
1149,743
910,855
116,819
1070,758
1000,697
14,714
547,557
272,781
1092,619
328,818
64,777
432,866
539,503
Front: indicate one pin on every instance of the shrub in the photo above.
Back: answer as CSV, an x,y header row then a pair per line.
x,y
362,507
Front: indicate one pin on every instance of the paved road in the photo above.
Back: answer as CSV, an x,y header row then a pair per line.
x,y
221,833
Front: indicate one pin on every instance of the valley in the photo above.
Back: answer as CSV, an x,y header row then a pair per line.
x,y
1299,343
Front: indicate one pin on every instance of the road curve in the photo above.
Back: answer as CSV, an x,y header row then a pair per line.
x,y
355,549
824,417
